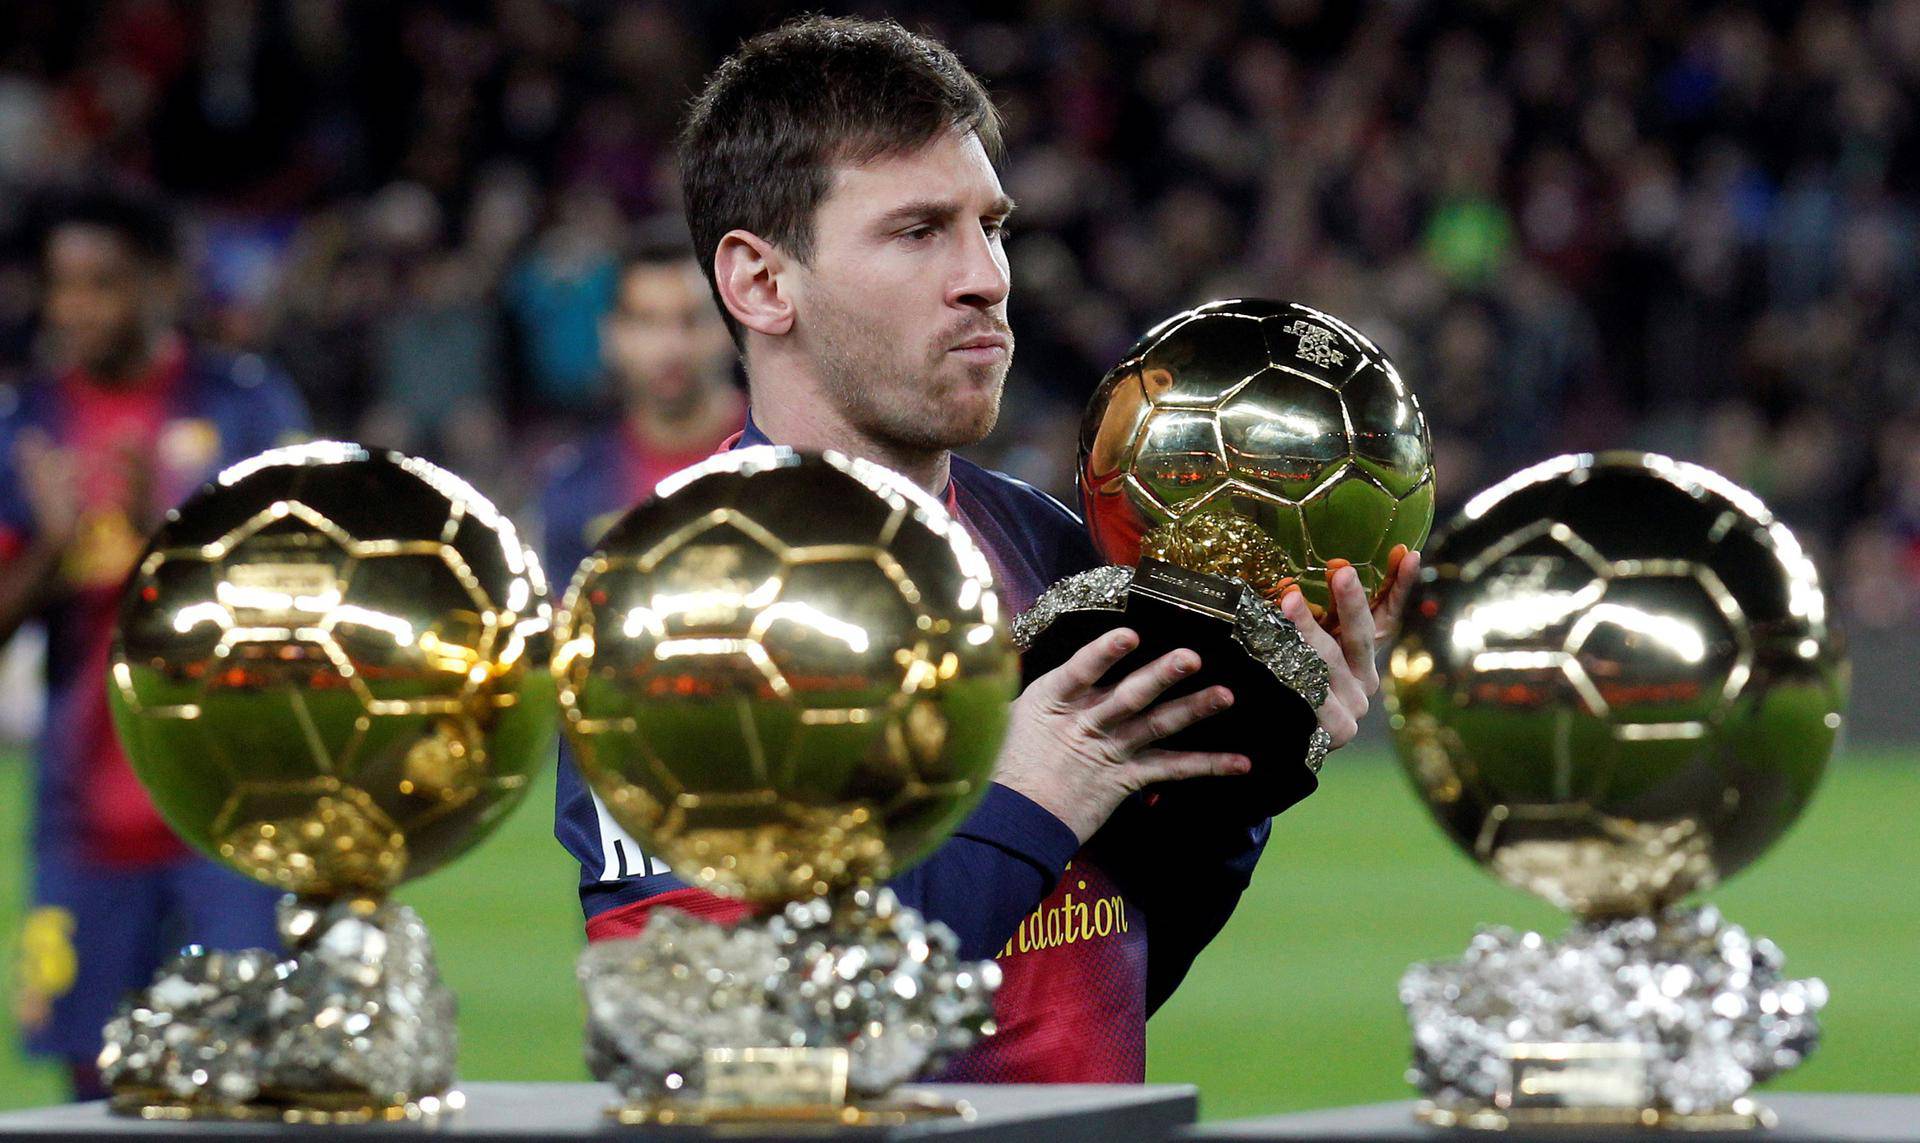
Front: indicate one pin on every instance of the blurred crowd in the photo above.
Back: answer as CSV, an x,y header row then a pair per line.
x,y
1683,226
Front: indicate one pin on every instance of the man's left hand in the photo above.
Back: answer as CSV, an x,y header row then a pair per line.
x,y
1359,631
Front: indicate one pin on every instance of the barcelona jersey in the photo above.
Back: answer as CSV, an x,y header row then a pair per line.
x,y
113,888
140,448
1090,939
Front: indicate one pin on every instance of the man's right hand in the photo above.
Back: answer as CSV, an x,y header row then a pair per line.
x,y
1078,749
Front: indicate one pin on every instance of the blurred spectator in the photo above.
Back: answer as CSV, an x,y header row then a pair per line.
x,y
126,417
557,294
670,364
1687,225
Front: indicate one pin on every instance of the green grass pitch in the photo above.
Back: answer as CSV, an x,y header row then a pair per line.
x,y
1294,1005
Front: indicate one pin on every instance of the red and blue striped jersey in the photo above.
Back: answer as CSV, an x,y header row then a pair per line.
x,y
140,448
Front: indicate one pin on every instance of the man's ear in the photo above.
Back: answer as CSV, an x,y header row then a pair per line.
x,y
747,269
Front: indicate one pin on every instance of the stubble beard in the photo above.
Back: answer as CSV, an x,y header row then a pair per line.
x,y
920,413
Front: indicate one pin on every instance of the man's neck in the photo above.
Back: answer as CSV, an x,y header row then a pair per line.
x,y
791,407
133,363
709,413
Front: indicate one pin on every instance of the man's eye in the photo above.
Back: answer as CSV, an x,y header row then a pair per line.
x,y
998,230
918,233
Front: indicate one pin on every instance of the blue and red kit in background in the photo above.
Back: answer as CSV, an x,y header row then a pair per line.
x,y
1091,939
114,891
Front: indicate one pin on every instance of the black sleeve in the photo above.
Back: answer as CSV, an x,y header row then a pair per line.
x,y
1186,873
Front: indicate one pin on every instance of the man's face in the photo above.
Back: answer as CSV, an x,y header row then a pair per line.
x,y
904,304
663,339
100,298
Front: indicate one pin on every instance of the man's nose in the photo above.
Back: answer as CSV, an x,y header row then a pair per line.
x,y
980,281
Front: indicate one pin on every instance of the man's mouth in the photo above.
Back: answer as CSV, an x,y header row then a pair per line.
x,y
984,348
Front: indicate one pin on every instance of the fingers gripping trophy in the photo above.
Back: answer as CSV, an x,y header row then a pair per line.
x,y
330,672
788,676
1239,452
1618,686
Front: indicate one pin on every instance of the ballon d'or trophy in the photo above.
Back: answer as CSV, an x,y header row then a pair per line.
x,y
1617,685
1239,450
787,676
330,672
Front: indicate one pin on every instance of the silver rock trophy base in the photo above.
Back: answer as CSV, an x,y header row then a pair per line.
x,y
355,1026
1662,1021
813,1014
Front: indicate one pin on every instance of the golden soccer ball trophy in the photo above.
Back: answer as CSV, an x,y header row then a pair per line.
x,y
787,675
1618,685
330,673
1239,450
1259,440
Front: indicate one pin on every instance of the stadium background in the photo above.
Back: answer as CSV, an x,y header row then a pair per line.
x,y
1683,226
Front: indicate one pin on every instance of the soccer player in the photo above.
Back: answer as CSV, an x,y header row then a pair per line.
x,y
671,364
840,185
129,418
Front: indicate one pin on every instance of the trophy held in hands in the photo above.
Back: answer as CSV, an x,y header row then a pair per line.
x,y
787,675
1617,686
1240,450
330,673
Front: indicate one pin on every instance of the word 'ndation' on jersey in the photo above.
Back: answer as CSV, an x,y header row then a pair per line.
x,y
1069,924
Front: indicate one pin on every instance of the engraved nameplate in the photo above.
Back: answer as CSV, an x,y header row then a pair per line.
x,y
776,1077
1558,1075
1215,595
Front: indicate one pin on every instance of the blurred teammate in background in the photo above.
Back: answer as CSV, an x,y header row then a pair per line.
x,y
840,185
670,366
126,417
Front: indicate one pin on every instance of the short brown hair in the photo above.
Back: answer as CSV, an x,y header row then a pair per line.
x,y
759,147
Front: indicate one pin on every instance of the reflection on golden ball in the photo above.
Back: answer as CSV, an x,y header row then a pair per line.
x,y
1257,440
330,669
785,674
1617,683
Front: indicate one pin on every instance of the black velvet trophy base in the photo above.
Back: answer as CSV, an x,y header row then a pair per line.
x,y
1244,644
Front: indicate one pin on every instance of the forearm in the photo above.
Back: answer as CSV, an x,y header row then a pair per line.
x,y
1187,888
995,870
